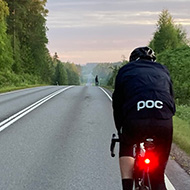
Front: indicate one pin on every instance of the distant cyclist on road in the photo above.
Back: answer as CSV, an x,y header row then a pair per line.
x,y
96,80
143,105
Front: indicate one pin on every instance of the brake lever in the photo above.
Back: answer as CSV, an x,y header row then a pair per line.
x,y
112,146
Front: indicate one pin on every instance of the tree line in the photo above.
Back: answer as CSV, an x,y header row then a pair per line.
x,y
172,49
66,73
24,57
171,45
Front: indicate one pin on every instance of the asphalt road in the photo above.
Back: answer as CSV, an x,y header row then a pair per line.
x,y
57,138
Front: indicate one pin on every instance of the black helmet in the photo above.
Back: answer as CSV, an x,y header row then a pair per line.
x,y
142,53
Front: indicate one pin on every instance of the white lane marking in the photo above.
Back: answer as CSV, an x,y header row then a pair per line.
x,y
169,186
7,122
106,93
167,181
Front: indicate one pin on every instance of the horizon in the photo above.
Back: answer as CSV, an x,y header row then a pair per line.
x,y
88,31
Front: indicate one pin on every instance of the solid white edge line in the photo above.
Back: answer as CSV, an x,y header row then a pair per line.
x,y
167,181
169,185
6,123
106,93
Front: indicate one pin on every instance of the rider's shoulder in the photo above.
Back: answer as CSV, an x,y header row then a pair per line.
x,y
142,64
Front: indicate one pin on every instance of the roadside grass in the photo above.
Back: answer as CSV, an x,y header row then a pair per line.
x,y
181,120
11,88
183,112
109,88
181,134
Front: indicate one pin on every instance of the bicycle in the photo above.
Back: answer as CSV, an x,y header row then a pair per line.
x,y
145,160
97,83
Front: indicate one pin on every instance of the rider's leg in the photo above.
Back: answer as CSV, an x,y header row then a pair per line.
x,y
126,167
164,133
126,160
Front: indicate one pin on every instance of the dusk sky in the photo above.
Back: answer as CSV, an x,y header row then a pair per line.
x,y
88,31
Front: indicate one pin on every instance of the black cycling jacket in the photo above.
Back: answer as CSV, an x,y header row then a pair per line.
x,y
143,89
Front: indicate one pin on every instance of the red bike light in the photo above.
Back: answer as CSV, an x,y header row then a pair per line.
x,y
147,161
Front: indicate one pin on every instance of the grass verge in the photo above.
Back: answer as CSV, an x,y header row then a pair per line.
x,y
181,135
182,127
11,88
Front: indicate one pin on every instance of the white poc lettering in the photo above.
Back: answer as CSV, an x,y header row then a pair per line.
x,y
140,105
157,102
149,104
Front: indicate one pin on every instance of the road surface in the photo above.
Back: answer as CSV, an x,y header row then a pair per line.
x,y
57,138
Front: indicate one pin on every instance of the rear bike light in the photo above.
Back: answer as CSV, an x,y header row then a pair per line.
x,y
147,161
151,160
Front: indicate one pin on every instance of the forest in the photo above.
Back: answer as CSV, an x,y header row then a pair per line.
x,y
172,49
24,57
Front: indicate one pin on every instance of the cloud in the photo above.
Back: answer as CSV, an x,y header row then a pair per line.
x,y
86,30
104,56
101,18
75,14
184,22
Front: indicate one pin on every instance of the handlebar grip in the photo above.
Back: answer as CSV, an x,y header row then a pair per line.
x,y
112,146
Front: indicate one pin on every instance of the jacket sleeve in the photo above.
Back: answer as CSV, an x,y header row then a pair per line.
x,y
172,95
118,100
171,91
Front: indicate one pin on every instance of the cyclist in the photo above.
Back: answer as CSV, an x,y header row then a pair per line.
x,y
96,80
143,105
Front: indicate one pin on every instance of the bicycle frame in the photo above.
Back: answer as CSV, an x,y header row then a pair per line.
x,y
140,150
141,175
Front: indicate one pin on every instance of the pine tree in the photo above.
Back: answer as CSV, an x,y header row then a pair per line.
x,y
168,35
6,54
27,28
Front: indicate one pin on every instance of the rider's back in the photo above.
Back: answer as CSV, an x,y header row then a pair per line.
x,y
146,90
143,106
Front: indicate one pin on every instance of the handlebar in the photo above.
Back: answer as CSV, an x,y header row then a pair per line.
x,y
112,146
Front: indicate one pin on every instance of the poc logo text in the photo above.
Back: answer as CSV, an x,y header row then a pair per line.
x,y
149,104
